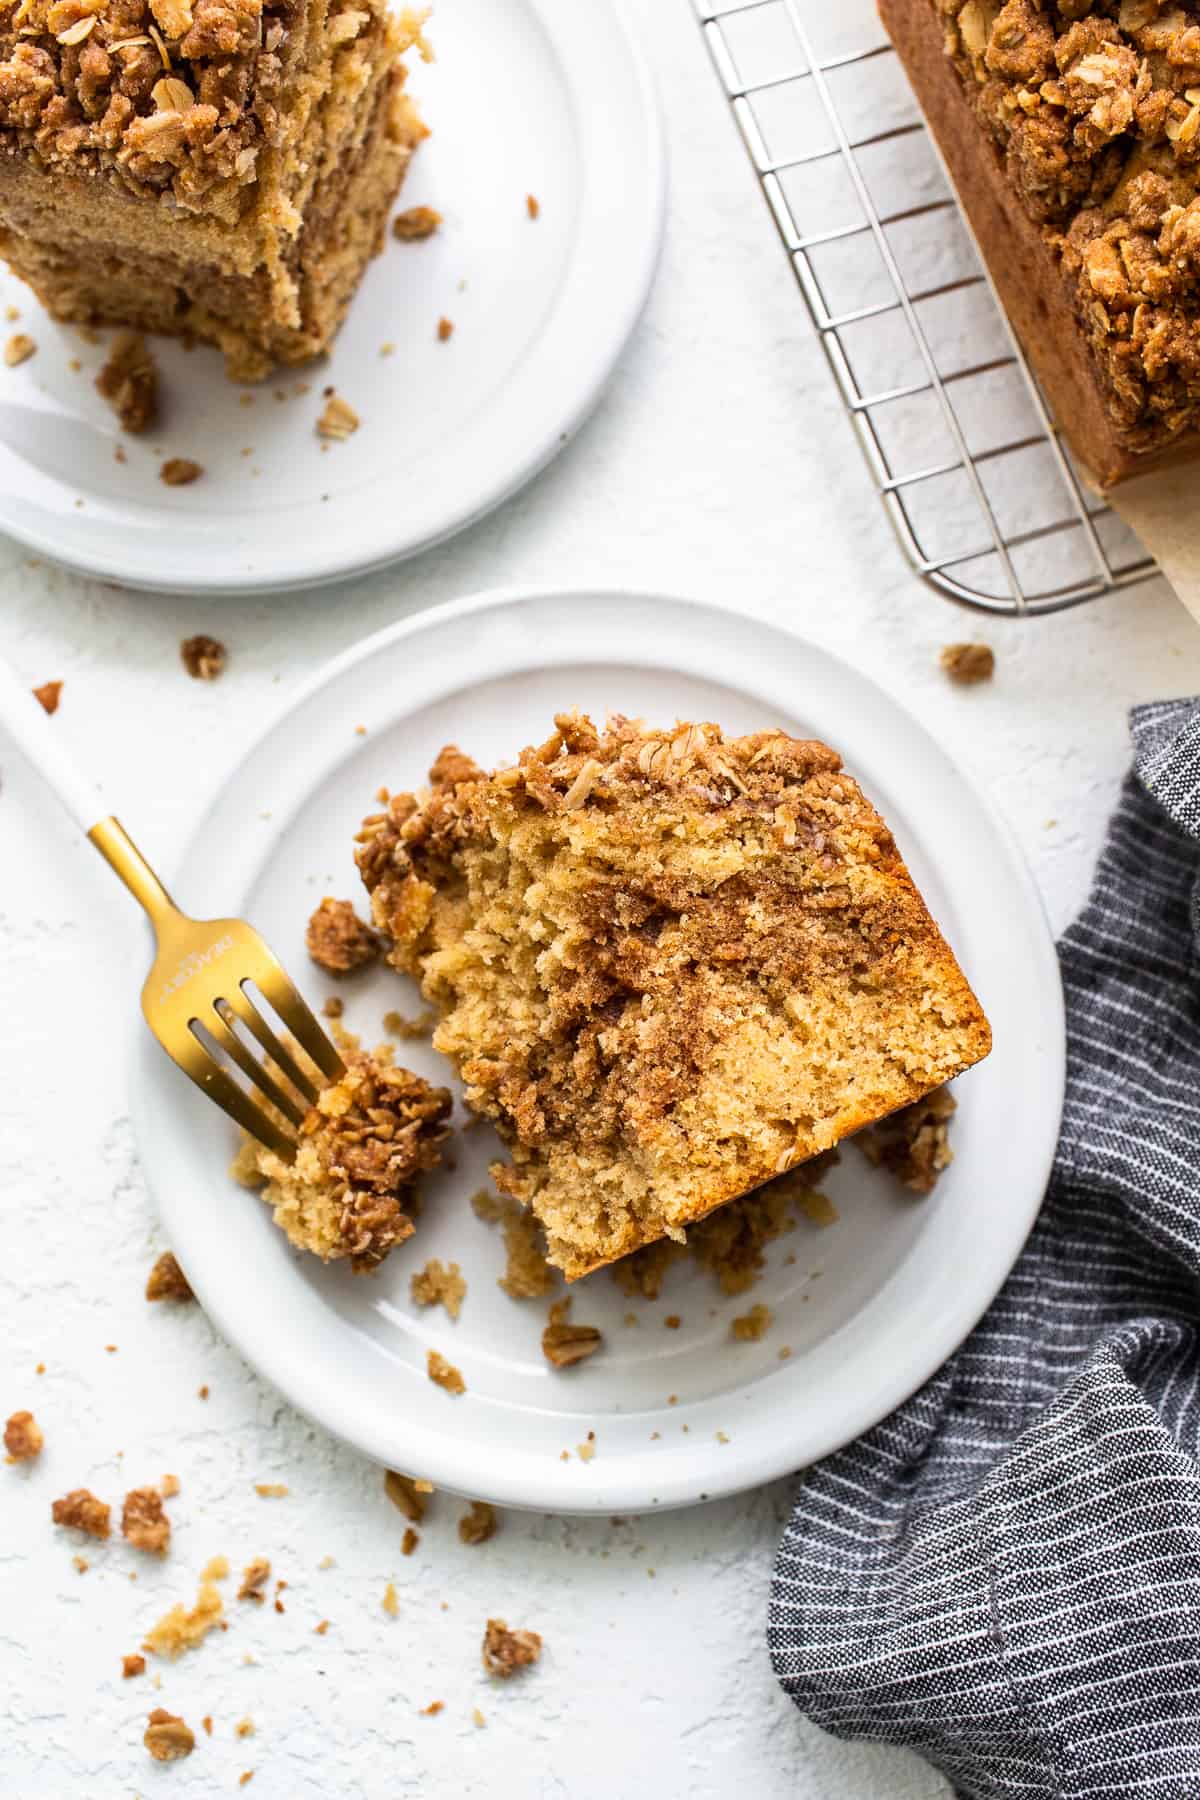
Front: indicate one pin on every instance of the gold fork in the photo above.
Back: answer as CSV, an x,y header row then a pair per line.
x,y
197,999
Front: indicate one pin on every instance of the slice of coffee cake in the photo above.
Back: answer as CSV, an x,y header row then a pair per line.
x,y
217,169
669,966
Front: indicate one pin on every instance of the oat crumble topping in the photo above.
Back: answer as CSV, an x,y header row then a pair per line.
x,y
416,223
203,657
505,1651
914,1143
129,382
167,1281
479,1524
439,1285
409,1495
166,1736
180,471
397,1025
81,1511
338,940
184,1627
443,1374
23,1438
144,1521
338,421
752,1326
968,663
564,1344
255,1577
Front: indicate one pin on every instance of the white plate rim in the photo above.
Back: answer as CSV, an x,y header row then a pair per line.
x,y
456,1467
636,245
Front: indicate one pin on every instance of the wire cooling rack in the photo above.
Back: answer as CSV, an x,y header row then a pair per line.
x,y
981,490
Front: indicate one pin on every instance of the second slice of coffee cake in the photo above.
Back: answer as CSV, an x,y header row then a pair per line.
x,y
217,169
669,966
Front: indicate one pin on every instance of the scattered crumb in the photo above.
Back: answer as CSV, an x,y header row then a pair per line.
x,y
131,1666
129,382
19,348
339,419
913,1144
48,695
206,1721
271,1490
629,1319
586,1451
533,206
527,1274
119,453
321,1628
183,1627
23,1438
433,1709
721,1438
81,1511
390,1602
478,1717
387,349
443,1374
144,1522
445,330
410,1495
672,1399
255,1577
398,1026
436,1284
168,1487
40,1369
478,1525
111,1349
817,1208
82,1564
338,940
215,1569
334,1006
417,223
968,663
505,1651
167,1281
672,1321
409,1541
180,471
166,1736
563,1344
203,657
785,1350
327,1562
246,1776
202,1392
12,313
74,365
752,1326
244,1728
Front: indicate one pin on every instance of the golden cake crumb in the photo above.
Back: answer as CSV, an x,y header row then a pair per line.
x,y
586,1451
338,940
271,1490
203,657
215,1569
752,1326
445,330
81,1511
12,314
321,1627
129,382
82,1564
411,1496
244,1728
48,695
390,1601
169,1486
166,1736
23,1439
505,1651
255,1577
167,1281
207,1723
246,1777
180,471
914,1143
362,1146
479,1524
443,1374
968,663
533,206
564,1344
397,1025
19,348
527,1274
433,1709
184,1627
416,223
643,1042
131,1666
478,1718
439,1285
338,421
144,1521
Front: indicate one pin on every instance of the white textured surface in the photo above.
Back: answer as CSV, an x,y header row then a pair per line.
x,y
720,464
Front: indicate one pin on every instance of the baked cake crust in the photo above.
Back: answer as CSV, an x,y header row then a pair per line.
x,y
1072,133
669,966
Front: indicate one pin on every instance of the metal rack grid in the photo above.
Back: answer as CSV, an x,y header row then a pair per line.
x,y
982,492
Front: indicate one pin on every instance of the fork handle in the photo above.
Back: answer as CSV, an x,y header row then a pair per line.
x,y
29,724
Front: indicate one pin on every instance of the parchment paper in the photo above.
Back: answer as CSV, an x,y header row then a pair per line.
x,y
1164,510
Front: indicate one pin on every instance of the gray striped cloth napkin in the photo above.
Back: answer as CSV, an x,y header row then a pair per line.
x,y
1006,1573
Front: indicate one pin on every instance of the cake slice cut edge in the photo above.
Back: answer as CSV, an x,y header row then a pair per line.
x,y
668,966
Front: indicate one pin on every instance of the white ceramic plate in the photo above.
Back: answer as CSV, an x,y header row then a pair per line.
x,y
869,1306
542,97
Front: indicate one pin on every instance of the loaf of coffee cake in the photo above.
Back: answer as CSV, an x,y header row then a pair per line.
x,y
218,169
669,966
1072,132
